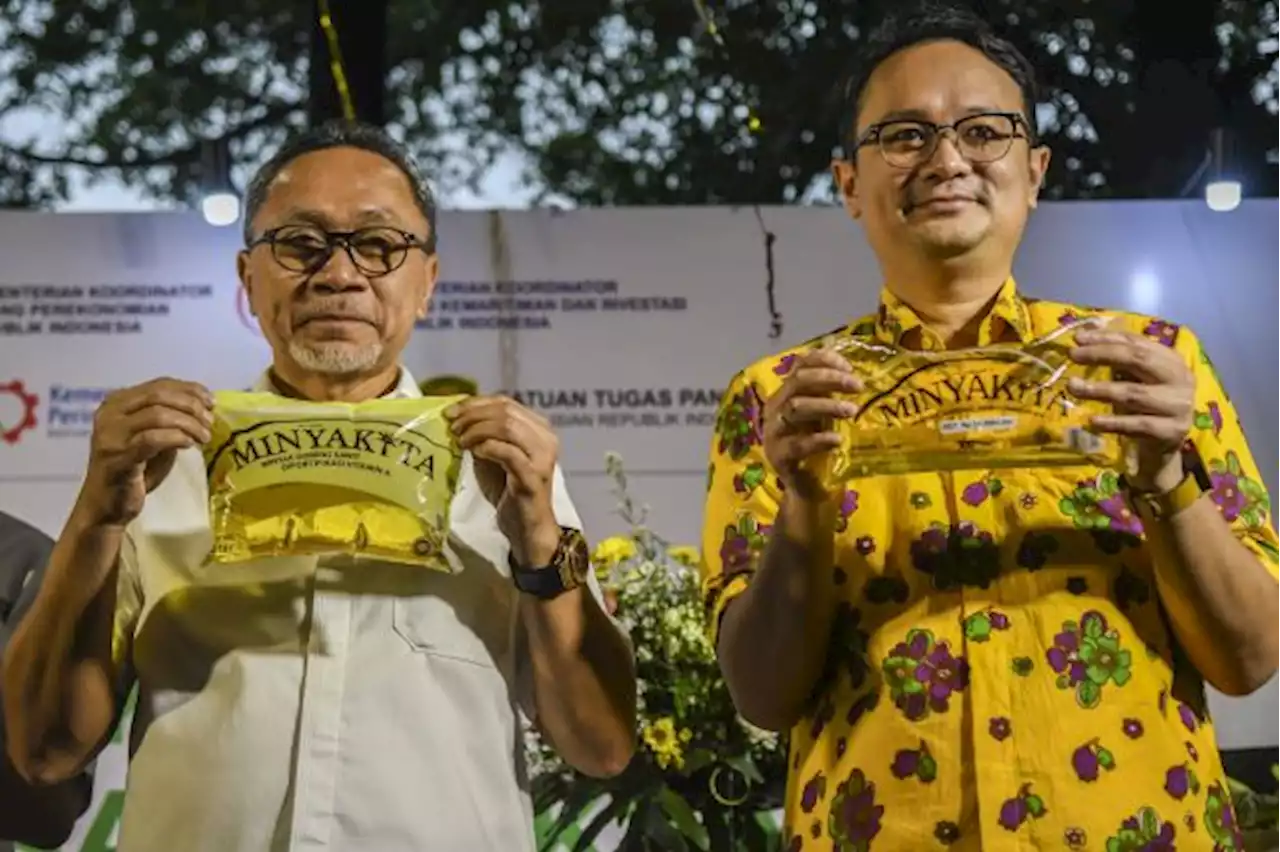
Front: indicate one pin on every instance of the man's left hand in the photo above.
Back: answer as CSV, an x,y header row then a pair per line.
x,y
1154,397
515,454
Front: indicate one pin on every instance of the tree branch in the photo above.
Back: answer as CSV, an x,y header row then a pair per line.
x,y
177,157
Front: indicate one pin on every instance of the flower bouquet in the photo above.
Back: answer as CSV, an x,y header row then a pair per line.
x,y
702,778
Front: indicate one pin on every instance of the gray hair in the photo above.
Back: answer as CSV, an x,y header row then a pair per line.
x,y
341,134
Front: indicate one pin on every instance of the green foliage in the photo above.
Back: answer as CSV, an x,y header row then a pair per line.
x,y
702,775
616,101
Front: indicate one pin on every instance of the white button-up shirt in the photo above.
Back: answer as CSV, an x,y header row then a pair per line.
x,y
333,704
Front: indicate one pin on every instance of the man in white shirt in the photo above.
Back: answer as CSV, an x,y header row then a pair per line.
x,y
321,704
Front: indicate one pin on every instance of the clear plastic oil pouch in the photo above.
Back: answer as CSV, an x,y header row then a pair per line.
x,y
998,406
292,478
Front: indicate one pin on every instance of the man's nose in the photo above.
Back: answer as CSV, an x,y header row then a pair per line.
x,y
339,273
947,161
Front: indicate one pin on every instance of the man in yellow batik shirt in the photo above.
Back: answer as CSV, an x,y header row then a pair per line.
x,y
985,660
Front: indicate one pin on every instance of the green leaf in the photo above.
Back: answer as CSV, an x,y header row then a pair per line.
x,y
1233,463
1088,694
1113,845
1068,507
1105,759
682,817
927,768
581,796
995,486
1120,675
1150,823
610,813
1093,627
1035,805
747,766
1251,488
1108,482
977,627
1269,549
698,759
1203,421
1086,494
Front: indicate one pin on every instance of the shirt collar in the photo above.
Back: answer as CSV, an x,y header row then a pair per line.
x,y
406,386
895,318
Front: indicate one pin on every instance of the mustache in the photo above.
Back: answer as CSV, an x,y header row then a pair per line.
x,y
329,311
914,197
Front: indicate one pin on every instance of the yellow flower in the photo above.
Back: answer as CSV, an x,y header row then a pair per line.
x,y
685,555
665,742
613,550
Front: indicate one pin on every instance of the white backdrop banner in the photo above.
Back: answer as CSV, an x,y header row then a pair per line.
x,y
622,326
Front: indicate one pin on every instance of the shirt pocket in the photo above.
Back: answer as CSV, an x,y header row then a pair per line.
x,y
452,620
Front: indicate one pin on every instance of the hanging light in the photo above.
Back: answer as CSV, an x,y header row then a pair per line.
x,y
219,202
1223,191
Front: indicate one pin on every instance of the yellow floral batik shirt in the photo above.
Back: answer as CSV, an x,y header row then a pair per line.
x,y
1001,674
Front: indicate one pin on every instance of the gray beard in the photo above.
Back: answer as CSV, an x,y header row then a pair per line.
x,y
335,359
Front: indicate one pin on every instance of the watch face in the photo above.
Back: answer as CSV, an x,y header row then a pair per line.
x,y
575,559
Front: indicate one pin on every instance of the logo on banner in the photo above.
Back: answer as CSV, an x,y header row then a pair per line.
x,y
17,411
243,311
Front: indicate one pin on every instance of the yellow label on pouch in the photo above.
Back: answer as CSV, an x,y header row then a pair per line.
x,y
292,478
996,406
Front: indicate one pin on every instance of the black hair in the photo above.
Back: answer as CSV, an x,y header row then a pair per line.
x,y
341,134
932,21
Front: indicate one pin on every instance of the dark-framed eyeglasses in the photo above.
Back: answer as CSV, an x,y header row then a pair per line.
x,y
980,138
375,251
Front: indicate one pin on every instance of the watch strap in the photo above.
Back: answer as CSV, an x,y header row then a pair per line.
x,y
565,571
1169,503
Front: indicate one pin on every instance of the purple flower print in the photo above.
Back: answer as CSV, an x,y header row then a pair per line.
x,y
1101,506
1165,333
1122,516
979,626
825,713
742,545
815,789
1035,549
884,588
1237,496
1016,811
1188,717
1143,832
1089,759
976,493
922,675
848,505
1027,500
955,556
738,424
785,364
1181,780
1220,820
1087,656
1192,752
915,763
796,844
865,545
1132,728
1000,728
855,817
1075,838
1068,318
1210,420
861,707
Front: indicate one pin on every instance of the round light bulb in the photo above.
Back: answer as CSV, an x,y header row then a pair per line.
x,y
1222,196
220,209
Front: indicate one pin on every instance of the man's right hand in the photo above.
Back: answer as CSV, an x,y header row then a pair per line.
x,y
137,433
798,419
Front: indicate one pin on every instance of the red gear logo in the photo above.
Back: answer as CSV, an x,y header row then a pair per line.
x,y
28,401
